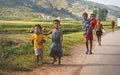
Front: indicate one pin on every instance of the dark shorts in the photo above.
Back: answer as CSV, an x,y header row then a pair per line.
x,y
99,32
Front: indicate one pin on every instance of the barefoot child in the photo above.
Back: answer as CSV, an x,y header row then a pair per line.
x,y
88,26
90,30
37,40
85,26
113,25
98,29
56,46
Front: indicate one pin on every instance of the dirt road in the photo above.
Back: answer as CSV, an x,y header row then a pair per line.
x,y
106,58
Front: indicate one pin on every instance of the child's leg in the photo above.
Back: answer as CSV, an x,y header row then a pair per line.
x,y
87,46
59,60
112,29
41,55
37,59
90,46
100,40
54,60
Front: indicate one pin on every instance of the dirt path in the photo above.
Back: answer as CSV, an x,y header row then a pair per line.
x,y
71,65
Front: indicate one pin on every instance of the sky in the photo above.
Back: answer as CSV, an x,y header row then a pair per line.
x,y
108,2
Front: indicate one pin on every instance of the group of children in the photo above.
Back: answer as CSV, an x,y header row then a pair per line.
x,y
56,47
88,25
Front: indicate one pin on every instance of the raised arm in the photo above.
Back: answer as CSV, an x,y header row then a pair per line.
x,y
48,32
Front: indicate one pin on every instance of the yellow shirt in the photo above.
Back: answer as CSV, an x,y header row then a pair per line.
x,y
36,38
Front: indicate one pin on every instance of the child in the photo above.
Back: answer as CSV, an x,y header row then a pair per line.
x,y
99,32
37,40
57,37
113,25
85,27
90,30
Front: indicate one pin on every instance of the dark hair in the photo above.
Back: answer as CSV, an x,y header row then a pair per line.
x,y
85,14
93,14
57,21
99,19
38,25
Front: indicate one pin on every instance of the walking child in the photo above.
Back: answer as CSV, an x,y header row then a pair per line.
x,y
98,29
93,23
113,25
56,45
37,40
85,27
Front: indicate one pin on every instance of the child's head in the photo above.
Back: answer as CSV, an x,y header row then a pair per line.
x,y
98,20
37,29
56,24
85,16
92,15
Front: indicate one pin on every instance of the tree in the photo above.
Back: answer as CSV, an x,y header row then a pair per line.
x,y
101,13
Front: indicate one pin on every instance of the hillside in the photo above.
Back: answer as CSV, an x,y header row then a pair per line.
x,y
51,8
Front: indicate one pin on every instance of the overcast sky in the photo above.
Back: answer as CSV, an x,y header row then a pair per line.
x,y
108,2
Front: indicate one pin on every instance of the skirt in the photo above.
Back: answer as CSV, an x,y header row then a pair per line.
x,y
89,37
56,53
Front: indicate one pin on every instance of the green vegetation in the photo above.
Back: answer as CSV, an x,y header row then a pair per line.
x,y
26,27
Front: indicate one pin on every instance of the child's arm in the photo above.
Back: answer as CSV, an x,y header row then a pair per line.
x,y
33,42
48,32
102,26
61,38
42,40
95,27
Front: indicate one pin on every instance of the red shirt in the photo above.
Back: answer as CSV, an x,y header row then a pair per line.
x,y
93,22
113,23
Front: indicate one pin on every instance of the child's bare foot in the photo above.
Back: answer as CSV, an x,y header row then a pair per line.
x,y
54,61
100,44
86,52
90,52
59,61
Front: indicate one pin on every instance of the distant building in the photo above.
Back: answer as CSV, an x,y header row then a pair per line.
x,y
118,21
